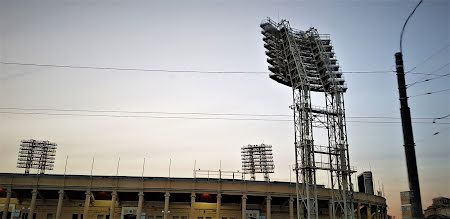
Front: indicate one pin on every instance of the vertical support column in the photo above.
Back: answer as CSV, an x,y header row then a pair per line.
x,y
291,207
330,209
244,206
192,210
377,214
33,203
140,203
219,205
269,207
358,210
166,205
112,209
6,206
301,210
87,202
60,203
369,211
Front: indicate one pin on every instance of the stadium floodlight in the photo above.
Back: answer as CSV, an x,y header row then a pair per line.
x,y
35,154
305,61
257,159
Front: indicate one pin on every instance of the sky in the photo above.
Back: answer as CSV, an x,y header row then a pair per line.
x,y
216,36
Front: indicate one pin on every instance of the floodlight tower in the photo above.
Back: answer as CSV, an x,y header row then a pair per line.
x,y
34,154
305,61
257,159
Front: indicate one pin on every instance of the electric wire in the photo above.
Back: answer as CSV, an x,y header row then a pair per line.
x,y
197,118
430,57
442,117
418,73
422,79
168,70
144,112
426,80
433,134
404,25
428,93
189,113
184,71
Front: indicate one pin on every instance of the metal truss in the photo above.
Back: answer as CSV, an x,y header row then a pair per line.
x,y
304,61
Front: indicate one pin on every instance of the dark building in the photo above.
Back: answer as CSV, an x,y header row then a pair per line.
x,y
365,182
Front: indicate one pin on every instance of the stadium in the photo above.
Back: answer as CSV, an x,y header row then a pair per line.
x,y
100,197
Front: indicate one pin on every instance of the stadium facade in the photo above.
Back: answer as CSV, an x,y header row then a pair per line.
x,y
101,197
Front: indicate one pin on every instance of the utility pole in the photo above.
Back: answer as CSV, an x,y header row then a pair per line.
x,y
408,139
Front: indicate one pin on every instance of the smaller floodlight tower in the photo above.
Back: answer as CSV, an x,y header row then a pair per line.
x,y
34,154
257,159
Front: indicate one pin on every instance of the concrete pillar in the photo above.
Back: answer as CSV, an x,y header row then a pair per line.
x,y
6,206
369,211
244,207
358,210
269,207
192,210
60,203
87,203
330,209
166,205
291,207
112,209
219,205
140,203
33,203
377,215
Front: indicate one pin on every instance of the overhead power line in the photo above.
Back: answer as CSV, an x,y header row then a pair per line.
x,y
145,116
168,70
432,92
426,80
442,117
430,57
145,112
192,117
189,113
422,79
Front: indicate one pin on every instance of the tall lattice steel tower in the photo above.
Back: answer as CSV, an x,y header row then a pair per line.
x,y
305,61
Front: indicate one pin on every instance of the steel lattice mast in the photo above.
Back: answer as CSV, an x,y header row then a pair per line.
x,y
305,61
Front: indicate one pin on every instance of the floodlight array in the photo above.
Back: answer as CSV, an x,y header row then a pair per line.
x,y
34,154
314,51
257,159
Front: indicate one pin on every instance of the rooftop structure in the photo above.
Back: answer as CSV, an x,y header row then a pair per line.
x,y
257,159
439,209
365,182
34,154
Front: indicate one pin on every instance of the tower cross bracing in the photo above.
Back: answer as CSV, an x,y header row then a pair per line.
x,y
305,61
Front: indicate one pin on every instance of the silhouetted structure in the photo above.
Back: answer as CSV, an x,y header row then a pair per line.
x,y
257,158
305,61
34,154
365,182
